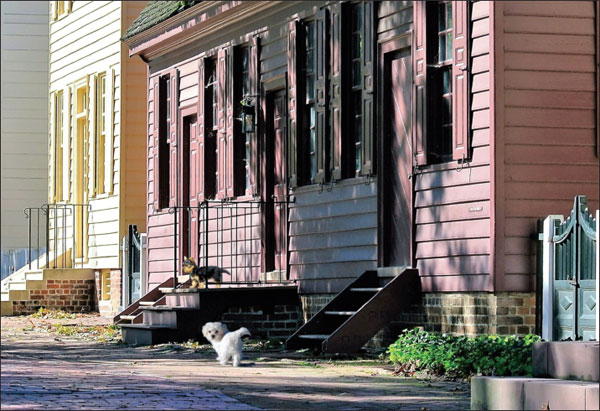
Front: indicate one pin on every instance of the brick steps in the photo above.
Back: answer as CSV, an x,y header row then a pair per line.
x,y
177,315
567,379
67,289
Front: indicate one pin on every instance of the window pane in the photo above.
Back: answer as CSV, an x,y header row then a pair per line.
x,y
356,73
442,49
449,46
357,17
310,88
446,83
313,121
449,14
358,158
441,17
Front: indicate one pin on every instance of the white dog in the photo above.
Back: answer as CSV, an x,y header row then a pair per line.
x,y
228,345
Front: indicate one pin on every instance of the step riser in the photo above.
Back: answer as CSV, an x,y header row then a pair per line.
x,y
168,318
191,300
569,360
521,393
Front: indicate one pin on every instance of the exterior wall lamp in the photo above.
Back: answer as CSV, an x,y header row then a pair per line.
x,y
248,116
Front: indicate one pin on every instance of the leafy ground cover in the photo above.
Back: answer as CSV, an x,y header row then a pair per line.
x,y
460,356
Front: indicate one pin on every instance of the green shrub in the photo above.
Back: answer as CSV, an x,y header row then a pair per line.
x,y
461,356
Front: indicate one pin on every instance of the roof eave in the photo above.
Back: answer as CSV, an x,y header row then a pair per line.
x,y
192,24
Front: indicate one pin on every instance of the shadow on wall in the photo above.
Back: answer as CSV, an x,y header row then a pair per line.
x,y
14,260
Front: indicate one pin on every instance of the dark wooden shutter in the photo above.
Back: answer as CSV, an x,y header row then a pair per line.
x,y
368,153
232,138
294,38
460,81
221,124
200,139
420,74
174,181
337,16
254,73
155,90
321,93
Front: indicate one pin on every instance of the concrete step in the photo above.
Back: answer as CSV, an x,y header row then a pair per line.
x,y
523,393
34,275
567,360
181,317
143,334
17,285
6,308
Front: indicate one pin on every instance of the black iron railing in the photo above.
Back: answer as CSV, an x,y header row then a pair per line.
x,y
59,228
248,239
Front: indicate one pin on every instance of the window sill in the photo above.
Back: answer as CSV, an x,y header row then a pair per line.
x,y
339,183
451,165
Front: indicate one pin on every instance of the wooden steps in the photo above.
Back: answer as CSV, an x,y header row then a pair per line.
x,y
358,312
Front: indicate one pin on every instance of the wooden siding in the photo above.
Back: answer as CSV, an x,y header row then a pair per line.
x,y
452,203
548,66
133,128
84,43
24,116
333,235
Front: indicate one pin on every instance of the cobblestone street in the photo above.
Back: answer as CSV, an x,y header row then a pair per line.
x,y
43,370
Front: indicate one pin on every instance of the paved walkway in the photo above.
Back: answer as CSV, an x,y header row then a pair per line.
x,y
41,370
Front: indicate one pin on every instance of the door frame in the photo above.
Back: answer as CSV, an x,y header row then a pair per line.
x,y
182,181
269,89
386,48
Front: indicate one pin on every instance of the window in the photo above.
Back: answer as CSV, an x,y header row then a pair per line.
x,y
163,188
60,8
440,148
355,102
309,137
442,92
101,127
244,59
211,129
330,68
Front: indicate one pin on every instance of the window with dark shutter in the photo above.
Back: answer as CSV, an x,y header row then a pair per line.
x,y
295,90
441,82
210,128
221,124
162,147
246,88
172,103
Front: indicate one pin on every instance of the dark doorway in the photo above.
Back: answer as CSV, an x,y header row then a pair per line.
x,y
275,213
188,223
396,168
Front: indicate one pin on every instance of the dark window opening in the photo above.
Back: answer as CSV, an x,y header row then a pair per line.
x,y
244,151
439,39
164,141
308,141
355,102
210,129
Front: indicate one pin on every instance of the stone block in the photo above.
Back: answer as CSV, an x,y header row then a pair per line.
x,y
555,395
572,360
498,393
592,400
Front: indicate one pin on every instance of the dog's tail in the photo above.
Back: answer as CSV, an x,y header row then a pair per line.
x,y
241,332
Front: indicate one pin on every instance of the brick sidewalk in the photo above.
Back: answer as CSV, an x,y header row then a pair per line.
x,y
43,371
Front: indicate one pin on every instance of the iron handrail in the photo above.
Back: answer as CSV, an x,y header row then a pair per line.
x,y
227,234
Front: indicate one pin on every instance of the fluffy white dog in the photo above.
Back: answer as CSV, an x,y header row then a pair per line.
x,y
228,345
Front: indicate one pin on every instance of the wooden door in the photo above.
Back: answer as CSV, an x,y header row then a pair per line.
x,y
397,186
275,219
187,180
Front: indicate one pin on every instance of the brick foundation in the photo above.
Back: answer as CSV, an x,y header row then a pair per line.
x,y
268,322
109,307
67,295
470,314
